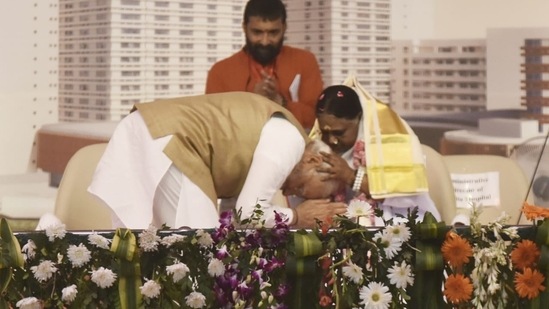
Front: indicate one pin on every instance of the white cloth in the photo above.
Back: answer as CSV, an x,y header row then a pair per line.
x,y
133,165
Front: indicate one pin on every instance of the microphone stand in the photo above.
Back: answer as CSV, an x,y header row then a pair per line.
x,y
535,171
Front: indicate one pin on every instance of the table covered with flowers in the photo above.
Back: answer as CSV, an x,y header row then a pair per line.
x,y
339,264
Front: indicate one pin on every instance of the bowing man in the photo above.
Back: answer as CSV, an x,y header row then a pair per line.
x,y
170,160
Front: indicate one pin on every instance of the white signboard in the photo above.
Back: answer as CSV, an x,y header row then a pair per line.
x,y
479,189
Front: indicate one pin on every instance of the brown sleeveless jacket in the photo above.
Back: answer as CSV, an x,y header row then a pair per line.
x,y
214,136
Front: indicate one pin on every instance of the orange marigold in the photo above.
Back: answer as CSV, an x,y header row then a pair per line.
x,y
533,212
326,224
525,254
529,283
456,250
458,288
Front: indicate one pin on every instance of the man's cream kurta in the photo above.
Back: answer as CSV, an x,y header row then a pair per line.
x,y
211,139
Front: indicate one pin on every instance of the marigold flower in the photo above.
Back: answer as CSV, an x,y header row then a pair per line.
x,y
458,288
525,254
456,250
326,224
533,212
529,283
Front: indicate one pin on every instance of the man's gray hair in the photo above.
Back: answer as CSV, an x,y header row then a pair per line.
x,y
316,146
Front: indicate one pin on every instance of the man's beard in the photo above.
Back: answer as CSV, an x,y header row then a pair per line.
x,y
263,54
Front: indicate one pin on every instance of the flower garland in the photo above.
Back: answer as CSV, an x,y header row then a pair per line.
x,y
484,266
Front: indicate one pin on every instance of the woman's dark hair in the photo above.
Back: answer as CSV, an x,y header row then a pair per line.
x,y
340,101
267,9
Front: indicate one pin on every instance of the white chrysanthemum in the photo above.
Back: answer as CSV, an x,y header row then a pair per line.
x,y
178,270
169,240
56,230
375,296
103,277
400,231
216,268
401,275
151,289
394,247
353,272
358,208
99,241
78,255
29,249
68,294
195,300
29,303
204,239
148,240
44,270
391,245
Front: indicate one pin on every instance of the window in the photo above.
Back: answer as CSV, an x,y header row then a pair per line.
x,y
130,73
161,31
131,16
131,31
161,17
130,2
161,73
162,45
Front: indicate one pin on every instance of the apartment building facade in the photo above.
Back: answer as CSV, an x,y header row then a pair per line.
x,y
536,80
347,37
114,54
438,76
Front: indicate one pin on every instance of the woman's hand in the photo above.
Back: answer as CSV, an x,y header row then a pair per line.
x,y
338,169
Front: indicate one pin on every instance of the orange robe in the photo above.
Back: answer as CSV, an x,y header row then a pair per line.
x,y
234,74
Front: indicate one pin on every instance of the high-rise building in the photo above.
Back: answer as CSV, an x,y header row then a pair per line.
x,y
347,37
114,54
536,80
438,76
28,79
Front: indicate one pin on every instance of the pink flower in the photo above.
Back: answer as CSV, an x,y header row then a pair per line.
x,y
359,158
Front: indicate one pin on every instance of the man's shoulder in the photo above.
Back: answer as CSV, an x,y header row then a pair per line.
x,y
290,50
233,59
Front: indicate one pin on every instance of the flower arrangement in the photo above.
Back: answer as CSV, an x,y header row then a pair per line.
x,y
242,264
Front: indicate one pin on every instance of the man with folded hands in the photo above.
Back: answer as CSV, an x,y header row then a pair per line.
x,y
169,161
287,75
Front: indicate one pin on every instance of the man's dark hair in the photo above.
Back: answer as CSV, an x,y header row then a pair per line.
x,y
267,9
340,101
